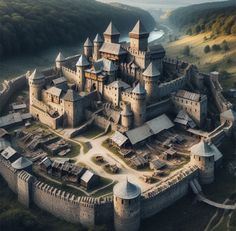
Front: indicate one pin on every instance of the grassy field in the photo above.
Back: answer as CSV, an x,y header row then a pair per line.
x,y
220,61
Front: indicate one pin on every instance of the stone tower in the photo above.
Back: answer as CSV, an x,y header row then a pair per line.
x,y
59,61
202,155
36,83
97,43
139,37
138,105
126,206
81,65
151,76
73,109
126,115
88,48
111,35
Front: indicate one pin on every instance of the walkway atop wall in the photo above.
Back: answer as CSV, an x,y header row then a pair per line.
x,y
196,187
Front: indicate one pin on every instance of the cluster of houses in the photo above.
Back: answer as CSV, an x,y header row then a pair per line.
x,y
69,172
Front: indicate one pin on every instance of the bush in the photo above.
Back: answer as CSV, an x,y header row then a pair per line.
x,y
216,47
207,49
225,46
224,74
186,51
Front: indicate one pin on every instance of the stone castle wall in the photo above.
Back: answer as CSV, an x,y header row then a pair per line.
x,y
69,74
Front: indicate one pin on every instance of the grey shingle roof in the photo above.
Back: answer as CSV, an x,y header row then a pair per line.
x,y
202,149
87,176
82,62
8,152
98,39
21,163
71,96
54,91
60,57
111,30
126,190
151,71
88,43
139,28
112,48
36,75
139,89
118,138
119,84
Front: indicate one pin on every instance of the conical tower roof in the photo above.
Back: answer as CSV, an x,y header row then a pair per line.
x,y
139,28
60,57
21,163
36,75
98,39
111,30
88,43
82,62
71,96
126,190
139,89
151,71
202,149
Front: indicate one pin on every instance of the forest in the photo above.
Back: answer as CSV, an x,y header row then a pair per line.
x,y
216,17
27,26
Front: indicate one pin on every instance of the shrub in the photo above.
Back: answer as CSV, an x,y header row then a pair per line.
x,y
216,47
225,46
186,51
207,49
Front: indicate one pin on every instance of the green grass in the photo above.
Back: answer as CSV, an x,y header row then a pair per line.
x,y
86,146
15,217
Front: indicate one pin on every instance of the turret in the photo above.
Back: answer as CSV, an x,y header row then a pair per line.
x,y
126,116
36,83
111,35
126,206
88,48
97,43
202,155
73,109
59,61
151,76
81,65
139,105
139,37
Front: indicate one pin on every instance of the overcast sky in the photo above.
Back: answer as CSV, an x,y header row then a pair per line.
x,y
165,4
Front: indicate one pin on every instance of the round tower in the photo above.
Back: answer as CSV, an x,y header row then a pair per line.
x,y
151,76
88,48
139,105
111,35
126,116
126,206
97,43
36,83
202,155
59,61
81,65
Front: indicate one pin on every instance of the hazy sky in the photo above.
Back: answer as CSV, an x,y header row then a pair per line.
x,y
165,4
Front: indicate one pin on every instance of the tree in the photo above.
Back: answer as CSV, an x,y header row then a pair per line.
x,y
207,49
186,51
225,46
216,47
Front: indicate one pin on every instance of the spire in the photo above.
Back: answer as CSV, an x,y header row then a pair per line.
x,y
60,57
139,89
98,39
82,62
151,71
36,75
88,43
139,28
111,30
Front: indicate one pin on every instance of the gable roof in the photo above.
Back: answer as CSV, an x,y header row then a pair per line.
x,y
54,91
119,84
112,48
139,28
111,30
118,138
8,152
151,71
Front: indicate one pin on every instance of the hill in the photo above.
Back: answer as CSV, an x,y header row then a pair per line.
x,y
30,25
216,17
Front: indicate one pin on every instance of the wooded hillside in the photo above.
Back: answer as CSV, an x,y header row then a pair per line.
x,y
30,25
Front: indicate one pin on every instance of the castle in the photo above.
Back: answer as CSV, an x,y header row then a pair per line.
x,y
128,78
